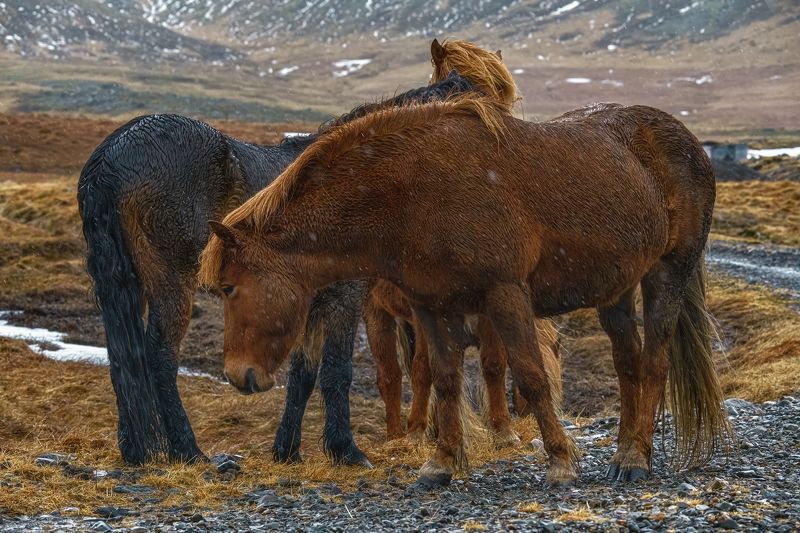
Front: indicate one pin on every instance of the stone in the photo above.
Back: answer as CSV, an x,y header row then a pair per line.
x,y
53,459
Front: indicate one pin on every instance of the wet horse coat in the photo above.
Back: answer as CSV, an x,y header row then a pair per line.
x,y
487,215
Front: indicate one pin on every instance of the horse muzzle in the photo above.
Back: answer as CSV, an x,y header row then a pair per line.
x,y
251,382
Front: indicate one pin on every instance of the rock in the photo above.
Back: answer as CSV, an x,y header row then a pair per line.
x,y
537,446
101,526
134,489
53,459
716,485
268,499
112,512
686,488
227,464
736,406
727,523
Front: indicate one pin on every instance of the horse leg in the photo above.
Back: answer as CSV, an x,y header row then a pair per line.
x,y
619,322
509,308
493,365
380,327
662,295
168,320
446,362
300,384
420,385
339,307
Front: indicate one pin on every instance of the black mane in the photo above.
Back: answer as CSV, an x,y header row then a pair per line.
x,y
453,84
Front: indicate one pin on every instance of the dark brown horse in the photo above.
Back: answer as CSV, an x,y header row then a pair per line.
x,y
392,324
145,196
473,212
651,136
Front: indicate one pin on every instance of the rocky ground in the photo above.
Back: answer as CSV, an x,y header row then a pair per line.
x,y
755,489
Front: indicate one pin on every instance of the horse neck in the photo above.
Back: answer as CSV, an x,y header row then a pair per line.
x,y
325,246
261,164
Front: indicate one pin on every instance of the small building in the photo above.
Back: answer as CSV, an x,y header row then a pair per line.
x,y
725,152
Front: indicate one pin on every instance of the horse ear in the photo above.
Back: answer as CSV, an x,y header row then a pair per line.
x,y
224,232
499,54
437,51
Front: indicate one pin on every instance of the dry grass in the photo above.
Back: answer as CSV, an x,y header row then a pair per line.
x,y
762,337
759,211
69,408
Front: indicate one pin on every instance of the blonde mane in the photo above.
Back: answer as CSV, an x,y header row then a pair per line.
x,y
257,212
483,68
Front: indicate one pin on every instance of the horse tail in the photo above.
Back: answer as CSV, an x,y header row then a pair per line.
x,y
118,294
406,345
695,397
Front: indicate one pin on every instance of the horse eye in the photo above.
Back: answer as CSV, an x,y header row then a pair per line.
x,y
227,289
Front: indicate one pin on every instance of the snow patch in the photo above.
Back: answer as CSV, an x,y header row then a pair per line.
x,y
287,70
772,152
42,340
349,66
564,9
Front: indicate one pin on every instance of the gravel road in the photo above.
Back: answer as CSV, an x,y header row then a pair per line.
x,y
754,490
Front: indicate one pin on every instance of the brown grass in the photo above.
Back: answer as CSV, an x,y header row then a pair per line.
x,y
48,411
759,211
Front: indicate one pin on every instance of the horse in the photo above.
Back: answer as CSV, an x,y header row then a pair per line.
x,y
638,128
396,340
145,196
471,211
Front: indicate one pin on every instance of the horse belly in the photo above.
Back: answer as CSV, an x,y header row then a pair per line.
x,y
566,279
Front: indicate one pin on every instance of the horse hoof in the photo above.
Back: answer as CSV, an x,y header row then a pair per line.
x,y
354,458
416,436
626,474
507,439
560,474
429,482
284,457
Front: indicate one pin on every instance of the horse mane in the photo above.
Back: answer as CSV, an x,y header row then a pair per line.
x,y
482,67
257,212
449,86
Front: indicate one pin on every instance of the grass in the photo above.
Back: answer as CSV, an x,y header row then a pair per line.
x,y
47,413
759,211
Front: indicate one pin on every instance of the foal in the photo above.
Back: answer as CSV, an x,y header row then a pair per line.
x,y
470,211
392,324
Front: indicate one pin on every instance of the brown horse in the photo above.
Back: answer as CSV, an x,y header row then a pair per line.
x,y
388,314
473,212
638,129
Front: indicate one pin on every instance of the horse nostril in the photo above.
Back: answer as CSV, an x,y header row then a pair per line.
x,y
250,383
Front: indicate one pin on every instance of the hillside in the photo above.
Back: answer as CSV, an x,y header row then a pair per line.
x,y
726,67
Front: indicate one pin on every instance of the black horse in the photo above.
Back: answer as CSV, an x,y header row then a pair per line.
x,y
146,195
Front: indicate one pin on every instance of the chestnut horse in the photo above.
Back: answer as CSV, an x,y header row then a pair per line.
x,y
396,340
636,128
470,211
145,196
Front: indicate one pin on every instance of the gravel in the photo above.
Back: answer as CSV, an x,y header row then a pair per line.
x,y
755,489
774,266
